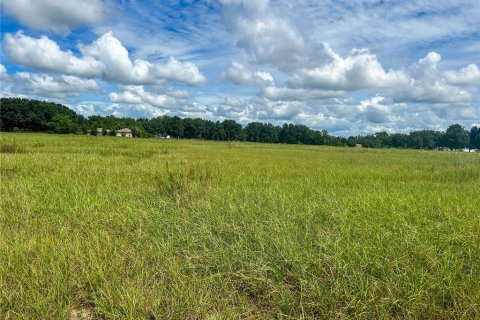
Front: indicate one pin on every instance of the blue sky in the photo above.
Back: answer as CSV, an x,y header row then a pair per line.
x,y
350,67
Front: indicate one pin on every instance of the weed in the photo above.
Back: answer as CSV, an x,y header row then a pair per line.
x,y
182,180
11,147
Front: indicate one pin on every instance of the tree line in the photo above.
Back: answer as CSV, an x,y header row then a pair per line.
x,y
18,114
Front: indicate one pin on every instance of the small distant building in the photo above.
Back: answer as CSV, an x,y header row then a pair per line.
x,y
358,145
102,131
125,132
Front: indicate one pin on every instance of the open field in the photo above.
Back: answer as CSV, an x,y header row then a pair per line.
x,y
118,228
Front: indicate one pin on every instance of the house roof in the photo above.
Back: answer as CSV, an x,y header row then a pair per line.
x,y
124,130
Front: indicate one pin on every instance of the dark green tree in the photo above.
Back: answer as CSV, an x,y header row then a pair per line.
x,y
232,130
174,127
424,139
475,137
62,124
456,137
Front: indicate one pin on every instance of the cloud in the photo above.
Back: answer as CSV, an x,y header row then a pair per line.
x,y
174,70
3,72
273,41
45,54
48,86
359,70
179,94
312,68
376,110
398,29
437,91
429,84
235,102
56,16
264,77
239,74
106,58
290,94
120,110
467,76
138,95
257,5
421,82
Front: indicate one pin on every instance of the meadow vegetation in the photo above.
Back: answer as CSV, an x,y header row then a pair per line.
x,y
116,228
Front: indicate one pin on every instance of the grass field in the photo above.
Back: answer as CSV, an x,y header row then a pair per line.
x,y
116,228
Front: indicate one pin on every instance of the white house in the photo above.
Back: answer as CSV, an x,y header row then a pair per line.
x,y
125,132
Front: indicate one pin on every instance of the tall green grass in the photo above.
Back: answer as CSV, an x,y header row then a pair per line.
x,y
116,228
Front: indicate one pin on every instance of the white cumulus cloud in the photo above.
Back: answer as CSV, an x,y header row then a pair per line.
x,y
359,70
240,74
54,15
469,75
106,58
49,86
427,83
45,54
138,95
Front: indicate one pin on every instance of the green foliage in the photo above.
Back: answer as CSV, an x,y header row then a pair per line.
x,y
233,130
261,132
137,131
176,229
456,137
33,115
475,137
62,124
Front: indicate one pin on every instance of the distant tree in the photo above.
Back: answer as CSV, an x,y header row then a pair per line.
x,y
209,130
174,127
424,139
232,130
289,133
62,124
398,140
352,141
138,131
475,137
456,137
252,132
32,115
218,131
189,129
158,126
261,132
382,138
